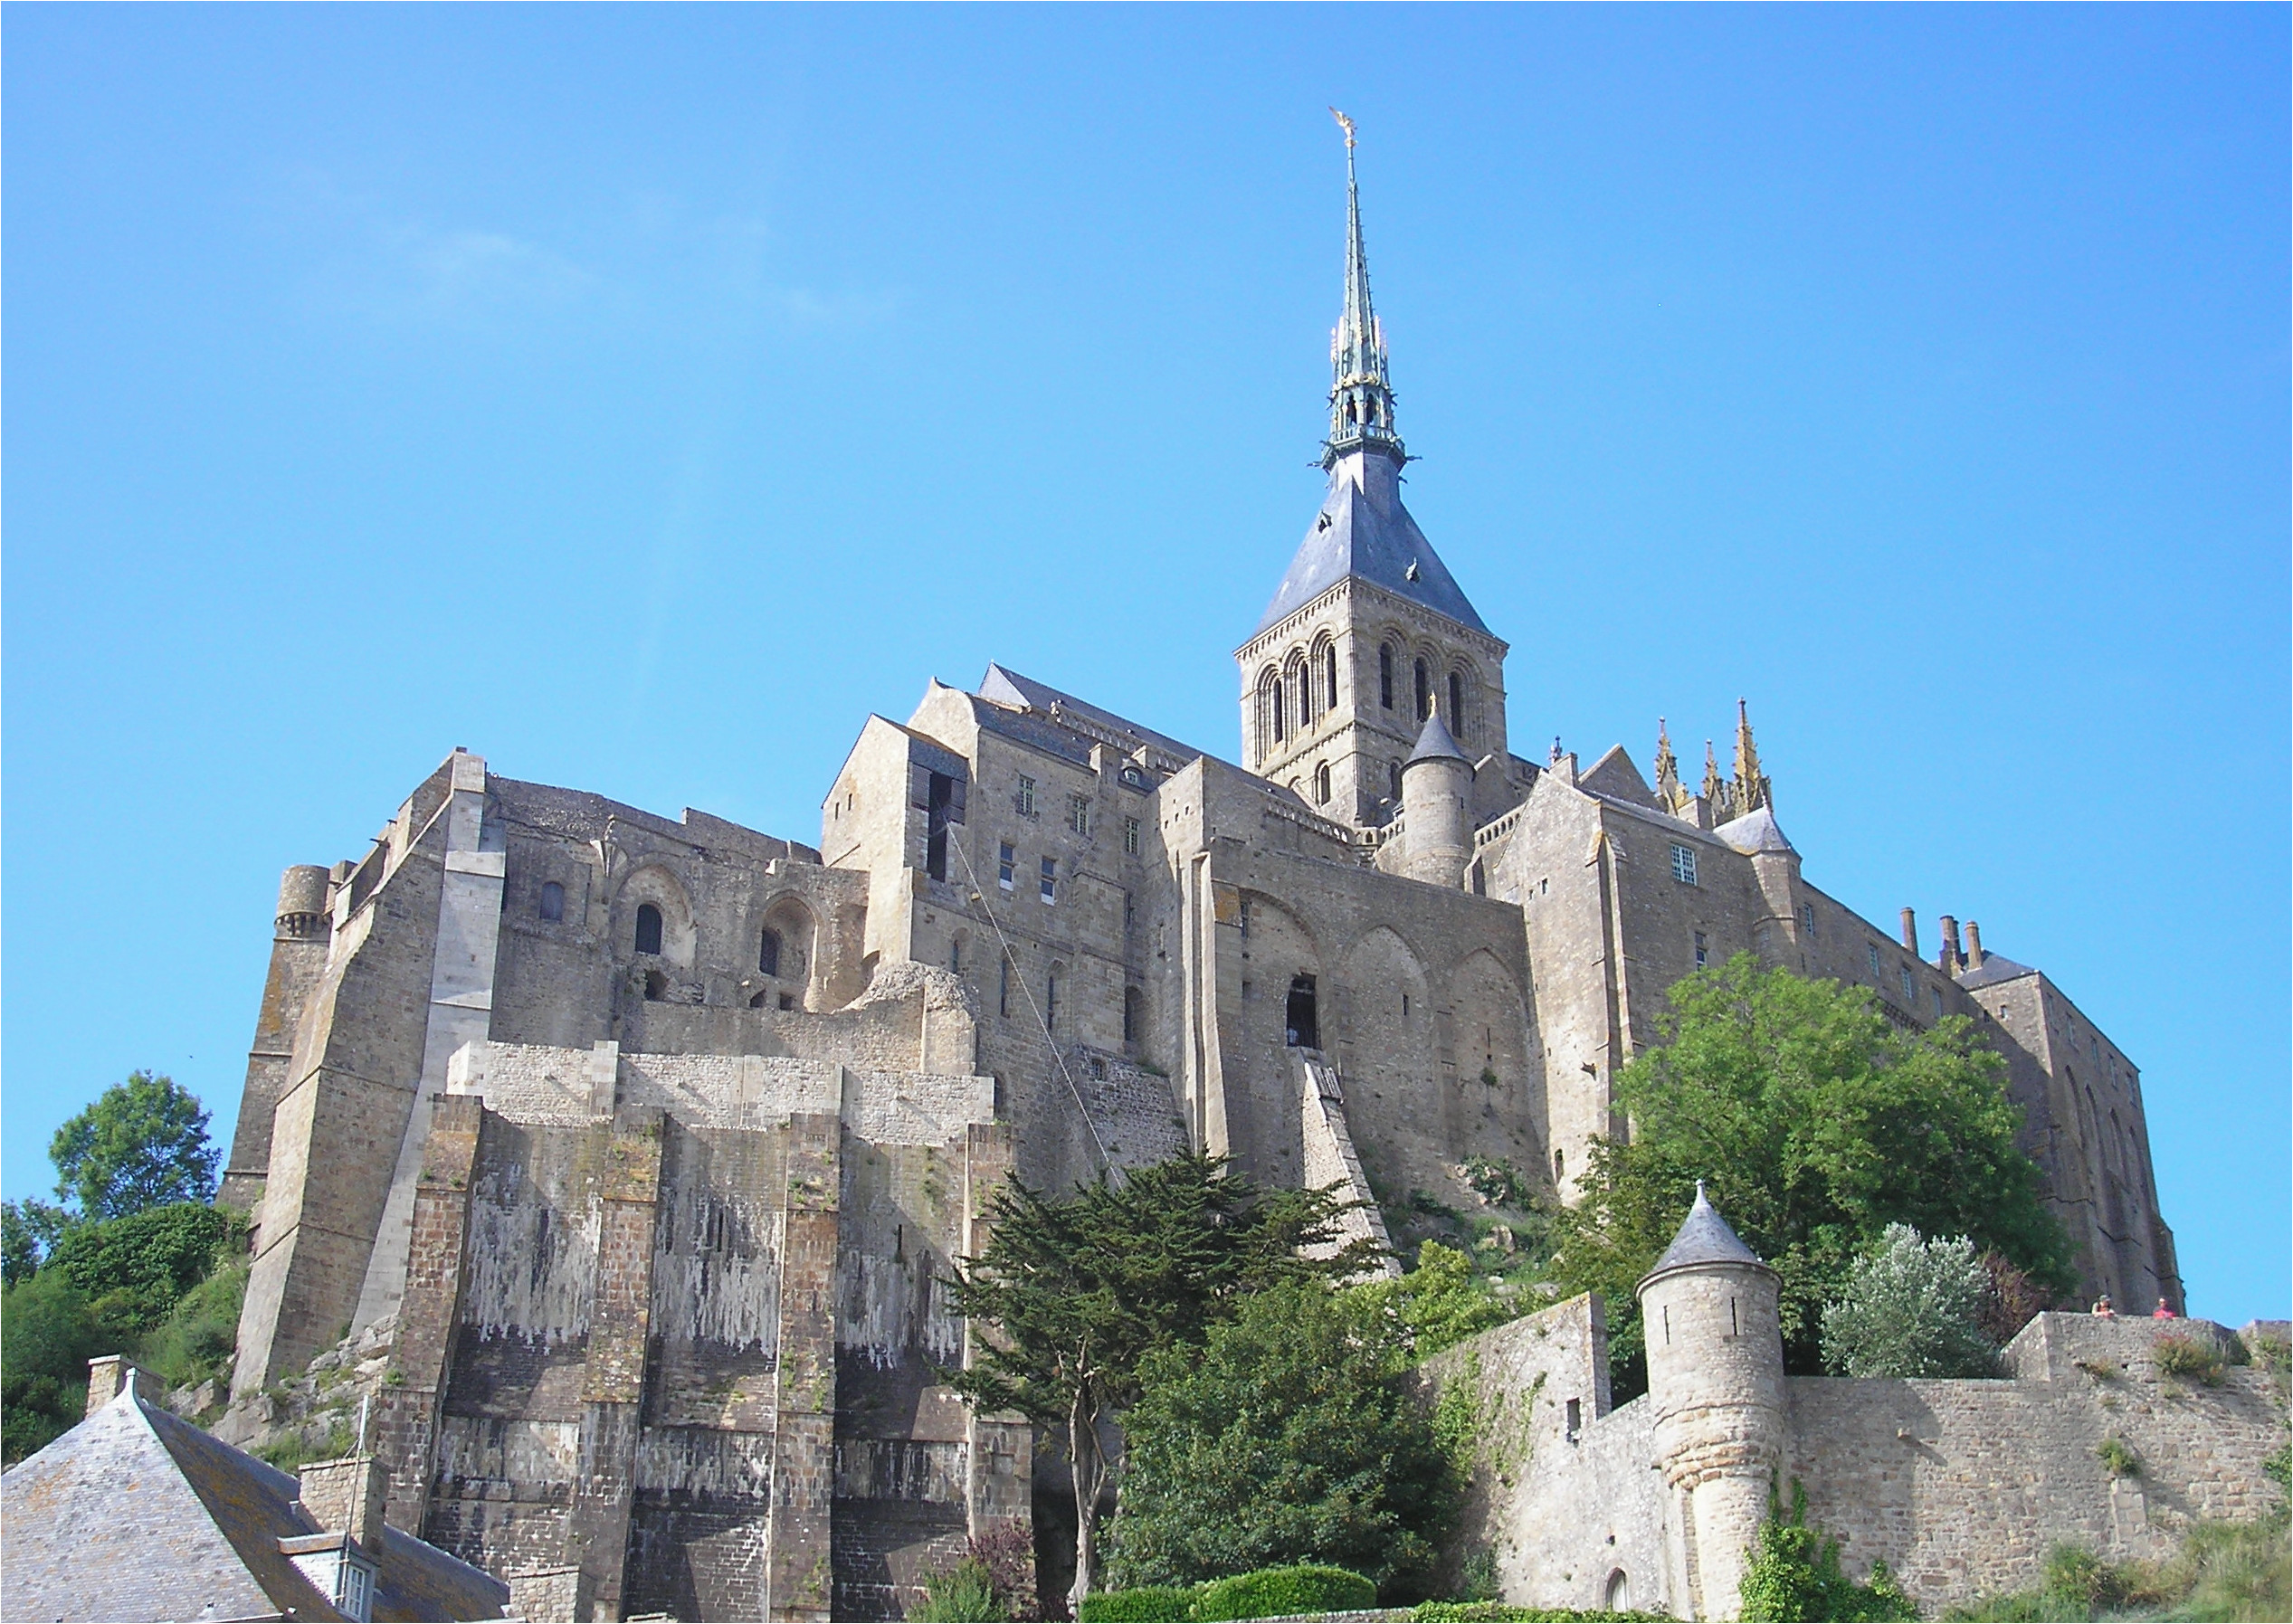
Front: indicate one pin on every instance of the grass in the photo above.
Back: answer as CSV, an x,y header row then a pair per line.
x,y
2226,1570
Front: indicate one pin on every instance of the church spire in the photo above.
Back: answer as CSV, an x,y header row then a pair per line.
x,y
1361,399
1751,783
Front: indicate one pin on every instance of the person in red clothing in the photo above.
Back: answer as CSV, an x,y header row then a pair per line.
x,y
2164,1311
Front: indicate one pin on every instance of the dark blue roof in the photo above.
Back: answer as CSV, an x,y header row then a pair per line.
x,y
1434,744
1364,531
1704,1237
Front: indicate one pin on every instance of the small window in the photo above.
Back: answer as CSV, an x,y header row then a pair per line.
x,y
1002,987
1684,865
1424,690
1385,676
1321,784
1275,698
787,1001
1023,803
1131,776
1702,950
1050,879
1560,1168
1807,920
1393,780
1129,910
1298,1019
1576,1418
553,900
1005,860
1050,1000
1457,703
1079,814
1910,987
768,952
1938,992
1330,675
1130,837
1244,913
648,928
1871,957
1132,999
955,954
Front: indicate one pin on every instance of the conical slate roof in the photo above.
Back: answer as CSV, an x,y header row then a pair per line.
x,y
1434,744
1704,1238
1756,832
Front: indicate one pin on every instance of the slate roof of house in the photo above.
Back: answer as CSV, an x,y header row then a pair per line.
x,y
1756,830
1704,1237
1378,542
136,1514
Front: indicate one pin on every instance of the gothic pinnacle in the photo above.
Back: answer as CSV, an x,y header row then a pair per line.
x,y
1670,794
1751,790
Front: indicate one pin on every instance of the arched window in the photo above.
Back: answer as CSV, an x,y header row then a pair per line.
x,y
1424,690
768,952
1457,703
1385,676
1330,675
553,900
1275,698
1321,784
1393,779
1050,1000
648,928
1134,1020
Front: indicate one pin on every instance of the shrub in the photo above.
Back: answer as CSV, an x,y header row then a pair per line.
x,y
197,1339
47,1336
2117,1456
2175,1354
133,1270
1276,1592
962,1595
1795,1574
1149,1603
2232,1571
1911,1307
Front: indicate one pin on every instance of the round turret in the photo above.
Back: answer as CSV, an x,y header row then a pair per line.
x,y
1437,785
1715,1384
302,901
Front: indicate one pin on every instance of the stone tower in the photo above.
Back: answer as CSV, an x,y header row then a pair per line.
x,y
1368,631
1437,792
1716,1380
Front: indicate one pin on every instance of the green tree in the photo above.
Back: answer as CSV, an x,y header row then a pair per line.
x,y
143,1143
1816,1123
1286,1439
1070,1294
1912,1308
1435,1305
133,1270
47,1336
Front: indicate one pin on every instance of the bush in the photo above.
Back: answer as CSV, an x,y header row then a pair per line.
x,y
47,1336
1278,1592
2232,1571
962,1595
2117,1458
133,1270
1795,1574
1911,1307
2175,1354
1148,1603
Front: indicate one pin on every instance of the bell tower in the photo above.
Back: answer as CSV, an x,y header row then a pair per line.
x,y
1368,633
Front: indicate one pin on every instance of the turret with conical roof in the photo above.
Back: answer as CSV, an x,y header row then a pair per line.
x,y
1716,1382
1437,790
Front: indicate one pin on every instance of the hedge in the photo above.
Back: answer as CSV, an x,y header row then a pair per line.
x,y
1268,1593
1149,1604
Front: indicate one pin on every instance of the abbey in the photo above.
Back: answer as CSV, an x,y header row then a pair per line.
x,y
639,1146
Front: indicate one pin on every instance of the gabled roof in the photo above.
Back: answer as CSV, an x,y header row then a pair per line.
x,y
1704,1237
1614,774
1756,830
1995,968
136,1514
1363,531
1031,712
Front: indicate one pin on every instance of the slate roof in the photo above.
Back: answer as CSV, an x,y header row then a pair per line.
x,y
1995,968
1704,1237
136,1514
1434,744
1007,689
1367,534
1756,830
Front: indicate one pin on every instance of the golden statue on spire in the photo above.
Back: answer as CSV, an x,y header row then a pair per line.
x,y
1345,123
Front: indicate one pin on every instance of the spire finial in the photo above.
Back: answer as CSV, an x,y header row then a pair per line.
x,y
1361,399
1715,791
1670,794
1751,790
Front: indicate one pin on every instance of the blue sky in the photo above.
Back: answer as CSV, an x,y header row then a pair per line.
x,y
640,396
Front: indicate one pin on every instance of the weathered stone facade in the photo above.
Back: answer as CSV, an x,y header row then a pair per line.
x,y
646,1138
1960,1487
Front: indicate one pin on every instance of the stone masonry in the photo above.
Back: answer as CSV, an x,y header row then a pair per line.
x,y
642,1143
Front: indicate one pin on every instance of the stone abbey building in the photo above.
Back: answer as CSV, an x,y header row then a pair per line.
x,y
643,1143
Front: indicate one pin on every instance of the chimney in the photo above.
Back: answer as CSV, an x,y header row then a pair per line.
x,y
346,1497
1911,931
106,1374
1973,944
1952,956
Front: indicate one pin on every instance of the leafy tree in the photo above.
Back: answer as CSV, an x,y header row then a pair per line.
x,y
1912,1308
1437,1304
47,1336
1285,1439
1816,1123
133,1270
1070,1294
143,1143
